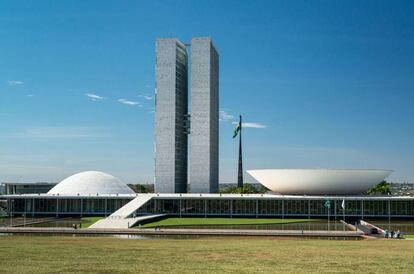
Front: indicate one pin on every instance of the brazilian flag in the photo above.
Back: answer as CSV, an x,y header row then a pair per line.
x,y
236,130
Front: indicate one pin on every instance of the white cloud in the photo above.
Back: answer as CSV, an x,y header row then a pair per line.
x,y
225,116
15,83
253,125
30,95
148,86
129,103
146,97
94,97
250,125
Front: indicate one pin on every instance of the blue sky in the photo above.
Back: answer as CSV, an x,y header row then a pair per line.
x,y
327,83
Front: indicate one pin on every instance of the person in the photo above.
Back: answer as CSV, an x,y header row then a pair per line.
x,y
397,234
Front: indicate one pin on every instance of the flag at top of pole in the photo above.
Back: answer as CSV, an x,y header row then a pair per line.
x,y
237,130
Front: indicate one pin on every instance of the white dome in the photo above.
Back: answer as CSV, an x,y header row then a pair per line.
x,y
90,182
319,181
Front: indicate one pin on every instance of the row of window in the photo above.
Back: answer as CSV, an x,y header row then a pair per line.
x,y
217,207
277,207
102,206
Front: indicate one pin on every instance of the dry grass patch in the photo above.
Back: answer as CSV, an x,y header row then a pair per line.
x,y
202,255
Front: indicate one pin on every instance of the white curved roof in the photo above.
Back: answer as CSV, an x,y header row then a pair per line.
x,y
319,181
91,183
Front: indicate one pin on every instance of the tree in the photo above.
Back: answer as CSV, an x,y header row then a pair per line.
x,y
383,188
246,189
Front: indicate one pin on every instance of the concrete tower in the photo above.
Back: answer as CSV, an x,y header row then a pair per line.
x,y
171,113
204,149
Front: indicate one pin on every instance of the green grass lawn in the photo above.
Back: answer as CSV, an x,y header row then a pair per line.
x,y
88,221
32,254
409,236
222,221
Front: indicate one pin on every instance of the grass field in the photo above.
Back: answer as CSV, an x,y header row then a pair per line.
x,y
222,221
409,236
88,221
31,254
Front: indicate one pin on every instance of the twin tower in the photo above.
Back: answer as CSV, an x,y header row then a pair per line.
x,y
174,122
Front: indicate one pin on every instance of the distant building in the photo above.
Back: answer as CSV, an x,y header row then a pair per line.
x,y
8,188
204,150
171,116
403,189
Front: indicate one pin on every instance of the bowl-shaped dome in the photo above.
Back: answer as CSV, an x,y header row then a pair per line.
x,y
90,182
319,181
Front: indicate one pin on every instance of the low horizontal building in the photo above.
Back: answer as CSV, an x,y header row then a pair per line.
x,y
7,188
96,193
228,205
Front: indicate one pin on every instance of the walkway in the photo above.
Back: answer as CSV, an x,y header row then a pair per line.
x,y
370,229
121,218
177,232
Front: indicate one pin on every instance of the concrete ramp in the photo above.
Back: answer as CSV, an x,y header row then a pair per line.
x,y
120,223
131,207
370,229
122,217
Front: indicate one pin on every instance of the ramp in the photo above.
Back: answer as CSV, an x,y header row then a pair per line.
x,y
119,223
131,207
371,230
122,217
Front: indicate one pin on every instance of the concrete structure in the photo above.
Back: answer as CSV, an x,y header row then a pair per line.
x,y
204,149
90,183
171,116
8,188
209,205
122,230
319,181
124,217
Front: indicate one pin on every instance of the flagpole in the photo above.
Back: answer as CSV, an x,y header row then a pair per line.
x,y
343,211
327,205
240,170
329,223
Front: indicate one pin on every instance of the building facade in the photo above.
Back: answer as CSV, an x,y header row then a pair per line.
x,y
25,188
210,205
204,149
171,115
172,122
